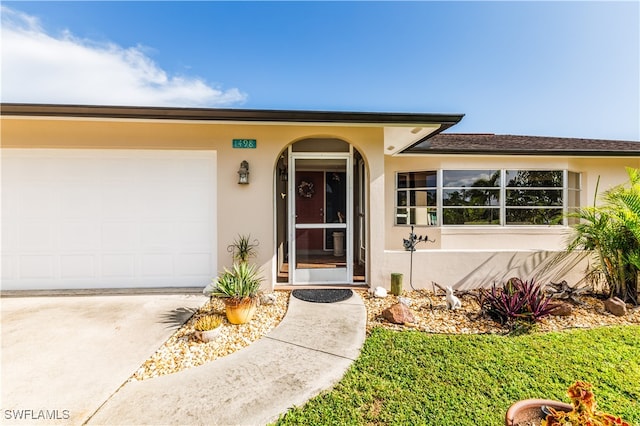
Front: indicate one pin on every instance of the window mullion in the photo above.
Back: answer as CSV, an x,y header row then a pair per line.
x,y
565,196
503,197
439,202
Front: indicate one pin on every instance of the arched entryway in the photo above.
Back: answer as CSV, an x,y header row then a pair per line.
x,y
321,214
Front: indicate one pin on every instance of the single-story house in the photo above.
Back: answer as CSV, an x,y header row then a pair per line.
x,y
100,197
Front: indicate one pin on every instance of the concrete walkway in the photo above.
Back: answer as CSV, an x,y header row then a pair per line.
x,y
307,353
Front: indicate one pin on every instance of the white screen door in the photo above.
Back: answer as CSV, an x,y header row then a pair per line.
x,y
321,210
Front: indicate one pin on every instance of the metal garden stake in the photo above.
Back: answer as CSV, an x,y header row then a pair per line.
x,y
410,245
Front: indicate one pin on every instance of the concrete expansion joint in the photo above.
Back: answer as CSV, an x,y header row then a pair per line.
x,y
309,348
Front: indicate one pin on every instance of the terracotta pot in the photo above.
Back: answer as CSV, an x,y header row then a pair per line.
x,y
529,409
240,311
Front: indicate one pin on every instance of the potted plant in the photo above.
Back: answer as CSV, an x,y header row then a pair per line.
x,y
239,287
530,411
208,327
581,412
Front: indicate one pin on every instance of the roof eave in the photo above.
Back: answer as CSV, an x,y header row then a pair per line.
x,y
227,114
543,153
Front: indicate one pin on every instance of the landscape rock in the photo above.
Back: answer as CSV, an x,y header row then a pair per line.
x,y
405,301
562,309
380,292
615,306
267,299
399,314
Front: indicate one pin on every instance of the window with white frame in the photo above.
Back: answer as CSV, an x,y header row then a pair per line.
x,y
471,197
416,195
486,197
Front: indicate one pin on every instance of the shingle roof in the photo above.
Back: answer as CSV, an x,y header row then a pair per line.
x,y
474,143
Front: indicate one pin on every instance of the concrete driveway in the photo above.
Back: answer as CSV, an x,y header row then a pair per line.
x,y
64,356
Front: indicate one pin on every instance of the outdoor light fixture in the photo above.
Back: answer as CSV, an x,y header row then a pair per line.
x,y
243,173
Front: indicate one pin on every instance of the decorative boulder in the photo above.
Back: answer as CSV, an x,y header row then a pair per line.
x,y
615,306
380,292
562,309
399,314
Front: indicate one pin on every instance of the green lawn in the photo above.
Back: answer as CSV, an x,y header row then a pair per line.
x,y
416,378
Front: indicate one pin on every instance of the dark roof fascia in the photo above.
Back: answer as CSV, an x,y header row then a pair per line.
x,y
227,114
540,153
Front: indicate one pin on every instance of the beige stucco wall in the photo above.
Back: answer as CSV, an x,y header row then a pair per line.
x,y
461,257
242,209
467,257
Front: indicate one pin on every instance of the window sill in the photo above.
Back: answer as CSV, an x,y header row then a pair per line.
x,y
512,230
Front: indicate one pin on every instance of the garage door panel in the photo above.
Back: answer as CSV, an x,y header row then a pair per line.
x,y
36,266
120,236
118,265
80,200
10,201
37,200
158,168
80,236
193,264
158,236
35,237
117,166
119,200
157,265
194,171
107,218
9,239
9,267
192,237
74,169
187,202
76,266
158,201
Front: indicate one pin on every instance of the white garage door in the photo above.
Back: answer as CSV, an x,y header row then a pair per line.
x,y
76,219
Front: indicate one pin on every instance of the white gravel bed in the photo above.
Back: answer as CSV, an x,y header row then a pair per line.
x,y
432,315
184,350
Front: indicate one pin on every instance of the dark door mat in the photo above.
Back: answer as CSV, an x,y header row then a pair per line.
x,y
329,295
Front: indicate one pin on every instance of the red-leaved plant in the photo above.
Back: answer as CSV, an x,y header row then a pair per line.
x,y
516,301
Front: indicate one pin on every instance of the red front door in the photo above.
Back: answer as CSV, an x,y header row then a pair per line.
x,y
309,208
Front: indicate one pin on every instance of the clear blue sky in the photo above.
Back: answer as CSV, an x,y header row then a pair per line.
x,y
533,68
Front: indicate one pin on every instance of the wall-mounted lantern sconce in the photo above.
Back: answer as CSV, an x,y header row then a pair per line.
x,y
243,173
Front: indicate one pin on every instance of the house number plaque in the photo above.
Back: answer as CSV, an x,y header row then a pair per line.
x,y
245,143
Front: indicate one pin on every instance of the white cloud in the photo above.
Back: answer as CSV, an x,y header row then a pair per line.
x,y
40,68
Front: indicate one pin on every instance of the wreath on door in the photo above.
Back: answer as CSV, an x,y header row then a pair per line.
x,y
305,189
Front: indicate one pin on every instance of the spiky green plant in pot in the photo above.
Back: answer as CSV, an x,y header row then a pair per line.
x,y
239,287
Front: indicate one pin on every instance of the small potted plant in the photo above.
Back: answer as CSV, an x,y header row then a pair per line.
x,y
581,412
239,287
208,327
584,411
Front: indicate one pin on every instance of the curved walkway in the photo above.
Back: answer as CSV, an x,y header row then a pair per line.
x,y
307,353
